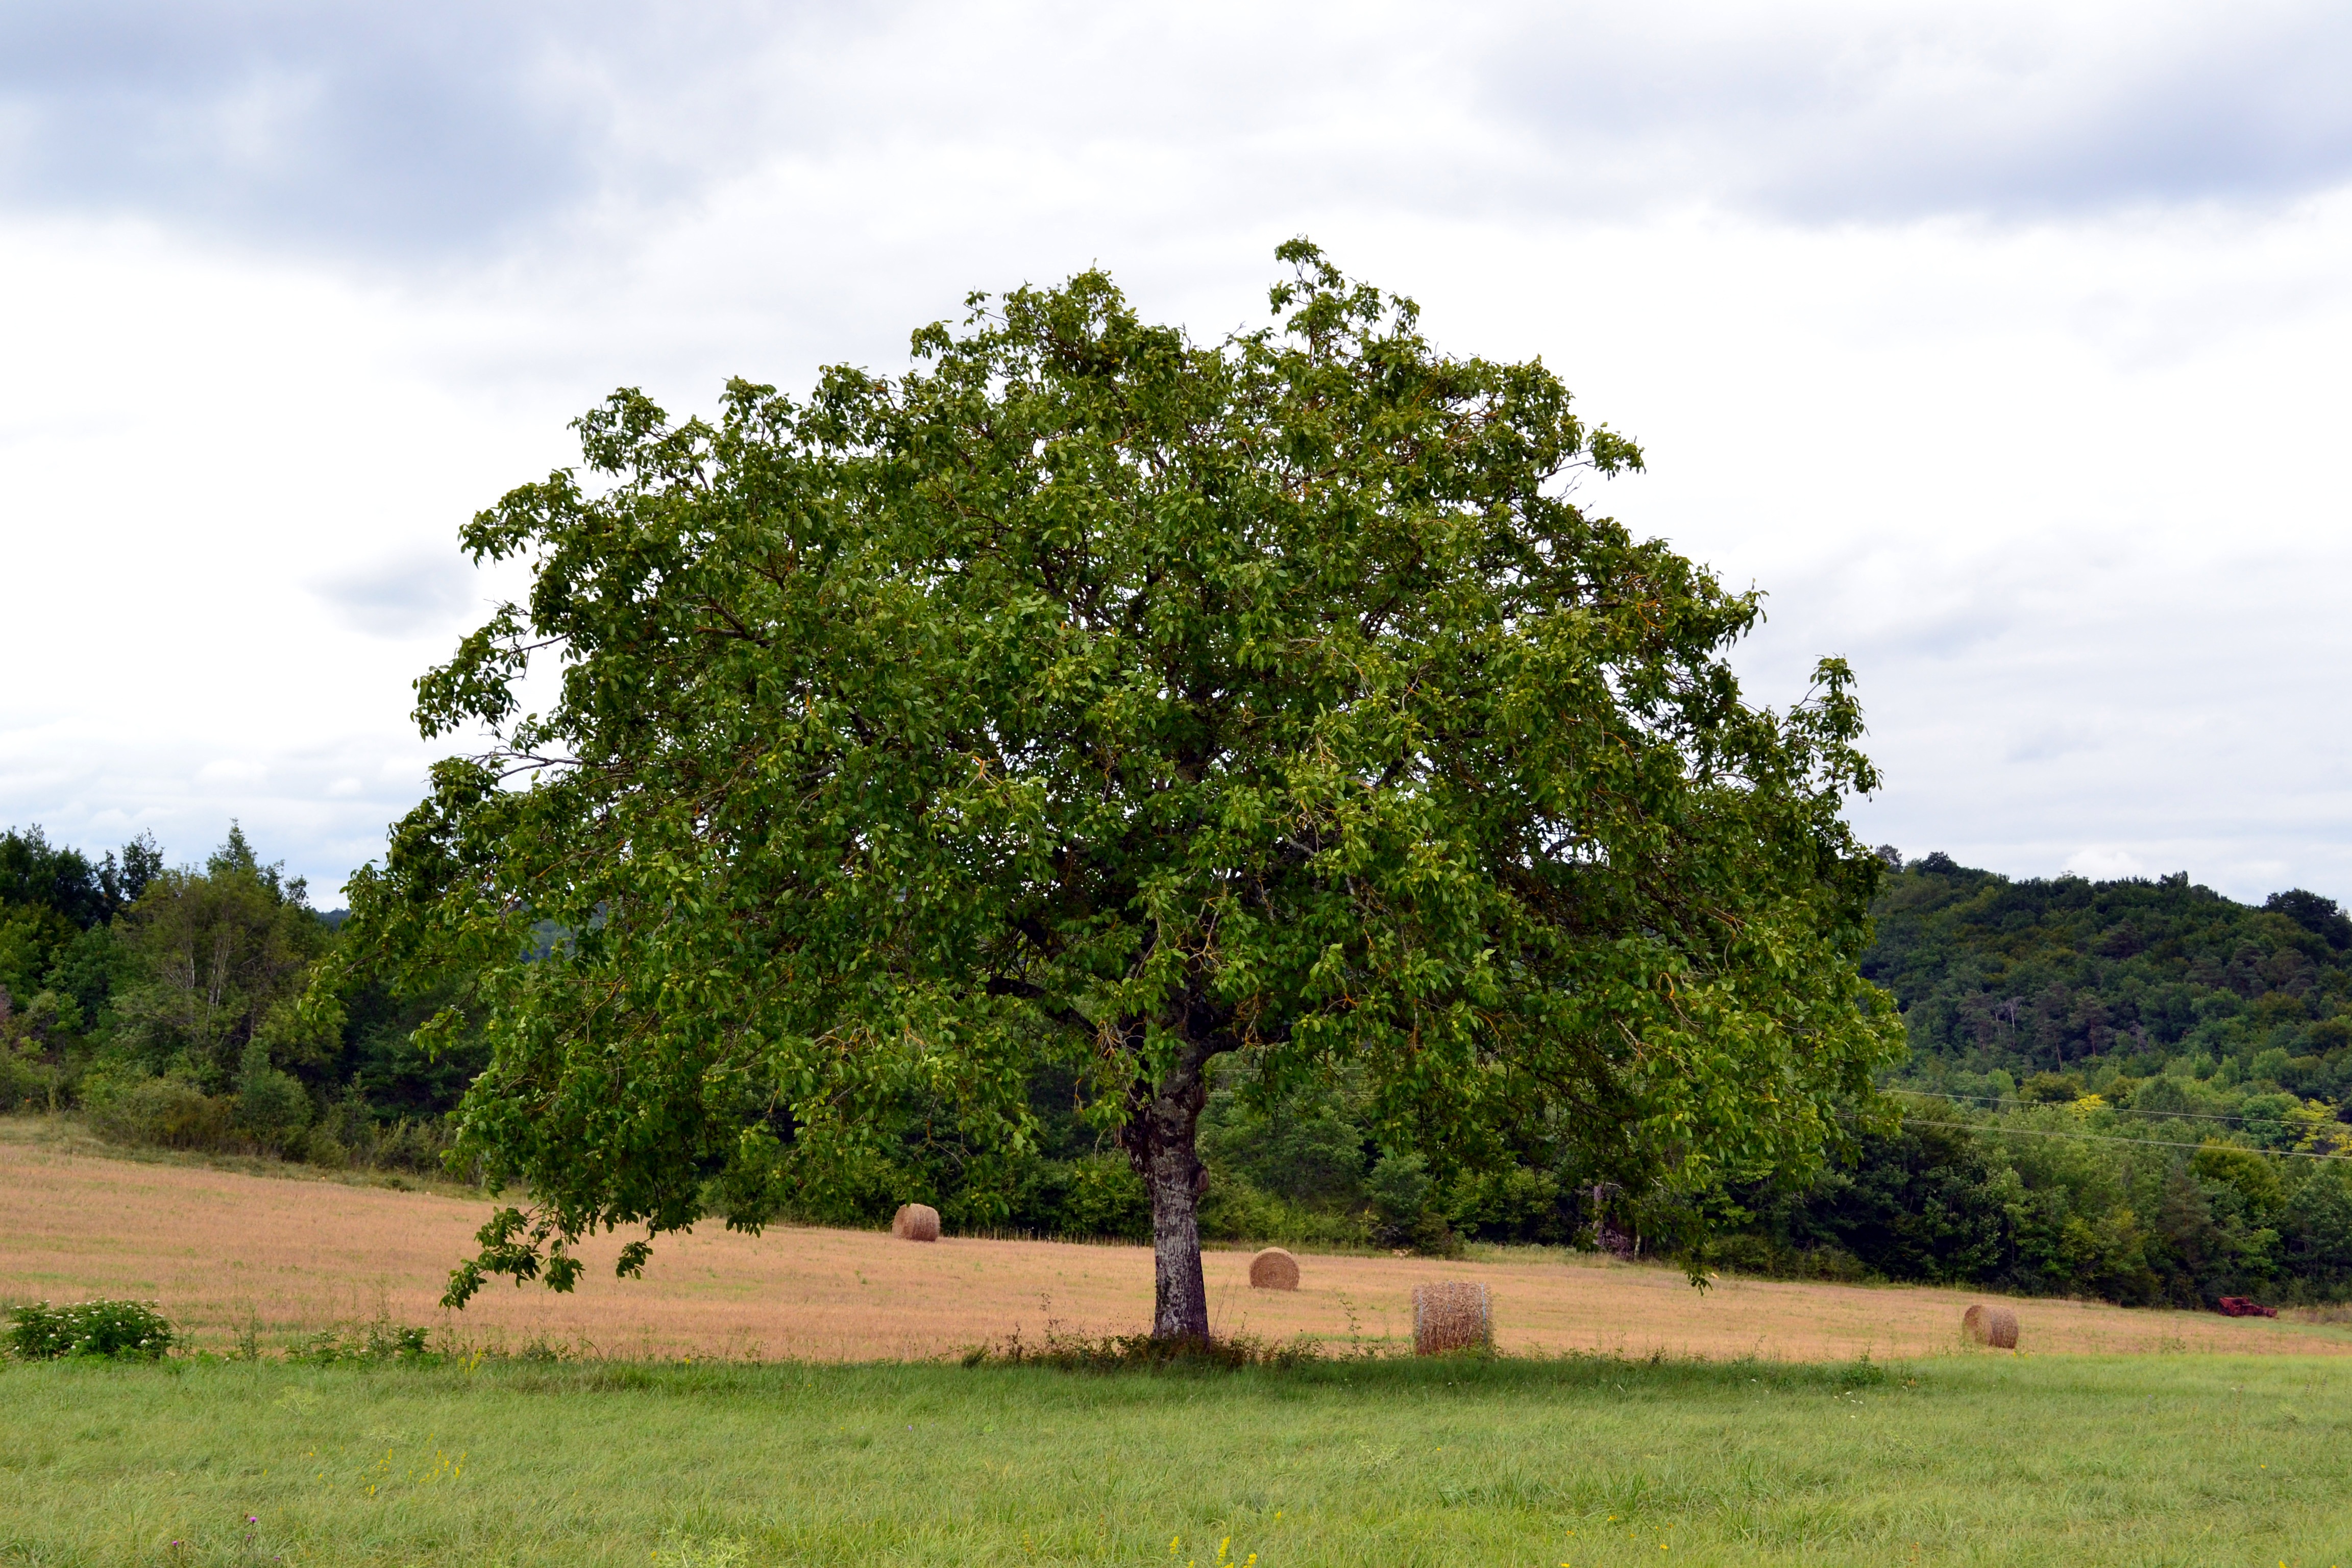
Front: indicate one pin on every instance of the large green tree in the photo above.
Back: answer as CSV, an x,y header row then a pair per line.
x,y
1092,693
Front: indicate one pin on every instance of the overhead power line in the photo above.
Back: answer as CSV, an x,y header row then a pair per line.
x,y
2111,1138
2062,1105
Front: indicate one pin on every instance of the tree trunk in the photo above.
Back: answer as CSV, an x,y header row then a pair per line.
x,y
1162,1120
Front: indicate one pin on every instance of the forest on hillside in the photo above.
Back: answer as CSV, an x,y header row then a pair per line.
x,y
2129,1090
2065,986
2132,1089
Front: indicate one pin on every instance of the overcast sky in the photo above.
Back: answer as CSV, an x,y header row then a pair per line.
x,y
2005,350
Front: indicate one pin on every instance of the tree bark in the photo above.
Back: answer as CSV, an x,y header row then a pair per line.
x,y
1163,1123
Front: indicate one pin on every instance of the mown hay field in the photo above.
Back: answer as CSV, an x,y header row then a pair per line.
x,y
225,1253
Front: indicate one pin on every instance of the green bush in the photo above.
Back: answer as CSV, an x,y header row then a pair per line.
x,y
121,1330
402,1146
1515,1204
1234,1210
1748,1253
32,1040
168,1111
1307,1148
1403,1207
271,1105
25,1081
1097,1195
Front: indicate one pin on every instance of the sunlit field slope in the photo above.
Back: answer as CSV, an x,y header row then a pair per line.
x,y
223,1253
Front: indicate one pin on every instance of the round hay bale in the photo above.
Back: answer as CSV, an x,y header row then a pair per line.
x,y
1994,1326
1274,1269
916,1222
1458,1315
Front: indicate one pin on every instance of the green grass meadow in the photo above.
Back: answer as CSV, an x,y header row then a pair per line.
x,y
1960,1460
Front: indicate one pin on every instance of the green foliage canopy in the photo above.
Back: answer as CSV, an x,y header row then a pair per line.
x,y
221,957
52,897
1094,696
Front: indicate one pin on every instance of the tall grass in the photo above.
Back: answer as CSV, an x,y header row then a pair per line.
x,y
1591,1461
403,1154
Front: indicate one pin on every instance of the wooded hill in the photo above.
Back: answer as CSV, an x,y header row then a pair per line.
x,y
2086,983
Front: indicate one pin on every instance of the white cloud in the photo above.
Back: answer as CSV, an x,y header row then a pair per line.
x,y
2104,863
440,129
1840,111
418,590
2002,383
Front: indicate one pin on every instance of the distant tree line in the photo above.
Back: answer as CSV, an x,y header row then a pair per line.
x,y
161,1003
2131,1091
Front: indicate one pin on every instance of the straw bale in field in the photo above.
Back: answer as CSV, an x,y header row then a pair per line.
x,y
1994,1326
1274,1269
1458,1315
916,1222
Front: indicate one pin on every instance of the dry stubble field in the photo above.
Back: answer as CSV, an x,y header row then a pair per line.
x,y
218,1248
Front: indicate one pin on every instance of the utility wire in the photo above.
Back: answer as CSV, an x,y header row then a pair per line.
x,y
2110,1138
2124,1110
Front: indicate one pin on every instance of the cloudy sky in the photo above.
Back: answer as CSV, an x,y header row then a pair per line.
x,y
2005,346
